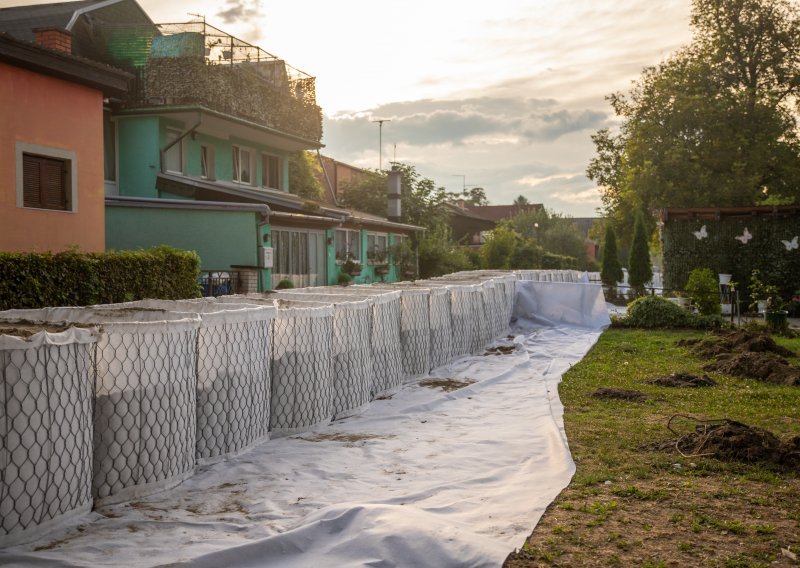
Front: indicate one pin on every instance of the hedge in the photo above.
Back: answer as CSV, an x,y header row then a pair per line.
x,y
37,280
722,252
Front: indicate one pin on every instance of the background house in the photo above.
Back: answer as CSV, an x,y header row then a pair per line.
x,y
51,144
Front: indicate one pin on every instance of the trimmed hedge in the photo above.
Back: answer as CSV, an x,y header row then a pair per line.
x,y
723,253
37,280
651,312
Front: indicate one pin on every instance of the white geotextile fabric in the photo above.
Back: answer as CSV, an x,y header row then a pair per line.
x,y
547,303
69,336
426,478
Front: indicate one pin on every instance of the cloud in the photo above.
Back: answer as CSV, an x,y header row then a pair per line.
x,y
244,12
457,122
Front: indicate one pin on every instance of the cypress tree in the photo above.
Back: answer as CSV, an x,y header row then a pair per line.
x,y
640,271
611,271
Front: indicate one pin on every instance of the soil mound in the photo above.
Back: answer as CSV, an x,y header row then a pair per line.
x,y
736,341
761,366
684,380
500,350
620,394
728,440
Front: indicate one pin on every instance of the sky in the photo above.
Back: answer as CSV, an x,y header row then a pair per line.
x,y
503,94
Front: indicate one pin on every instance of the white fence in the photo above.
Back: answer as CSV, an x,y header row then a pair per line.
x,y
126,399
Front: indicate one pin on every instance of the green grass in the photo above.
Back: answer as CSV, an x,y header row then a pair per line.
x,y
631,505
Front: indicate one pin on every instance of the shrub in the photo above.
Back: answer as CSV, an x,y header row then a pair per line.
x,y
703,287
611,271
640,271
343,279
656,312
70,278
287,284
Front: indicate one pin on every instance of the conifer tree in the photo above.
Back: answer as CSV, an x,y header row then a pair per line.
x,y
640,271
611,271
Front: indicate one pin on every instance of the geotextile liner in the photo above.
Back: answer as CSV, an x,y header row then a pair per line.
x,y
45,428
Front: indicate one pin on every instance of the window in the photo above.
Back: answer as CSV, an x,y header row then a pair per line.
x,y
207,162
46,178
242,166
110,154
348,243
173,156
376,248
270,171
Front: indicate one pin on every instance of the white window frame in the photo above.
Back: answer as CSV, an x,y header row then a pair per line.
x,y
178,148
48,152
236,152
373,247
351,236
279,168
207,157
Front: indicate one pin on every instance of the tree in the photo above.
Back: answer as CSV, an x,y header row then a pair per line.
x,y
303,170
713,125
611,270
521,200
640,272
475,196
554,232
499,246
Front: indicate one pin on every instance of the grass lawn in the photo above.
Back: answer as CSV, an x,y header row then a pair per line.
x,y
632,506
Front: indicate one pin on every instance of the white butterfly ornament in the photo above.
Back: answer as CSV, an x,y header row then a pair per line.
x,y
744,237
791,244
701,234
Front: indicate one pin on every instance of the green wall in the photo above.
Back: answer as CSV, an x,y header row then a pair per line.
x,y
139,157
221,238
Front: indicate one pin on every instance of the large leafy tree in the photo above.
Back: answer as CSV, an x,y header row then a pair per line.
x,y
713,125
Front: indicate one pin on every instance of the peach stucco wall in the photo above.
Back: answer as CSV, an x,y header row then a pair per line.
x,y
41,110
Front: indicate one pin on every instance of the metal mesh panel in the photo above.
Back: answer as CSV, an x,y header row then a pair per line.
x,y
46,435
233,378
441,328
145,408
351,348
415,332
301,368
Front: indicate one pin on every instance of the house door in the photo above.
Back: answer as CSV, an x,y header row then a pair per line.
x,y
299,257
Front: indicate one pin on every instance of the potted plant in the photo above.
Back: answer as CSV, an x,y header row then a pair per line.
x,y
762,295
351,266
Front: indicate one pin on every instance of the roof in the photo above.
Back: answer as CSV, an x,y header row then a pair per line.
x,y
717,213
158,203
62,65
20,21
503,212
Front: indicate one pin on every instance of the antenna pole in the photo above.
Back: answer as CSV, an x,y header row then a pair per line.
x,y
380,122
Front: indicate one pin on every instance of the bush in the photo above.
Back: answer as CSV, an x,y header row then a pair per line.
x,y
656,312
288,284
344,279
703,287
38,280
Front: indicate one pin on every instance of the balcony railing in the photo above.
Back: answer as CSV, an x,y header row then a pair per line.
x,y
197,64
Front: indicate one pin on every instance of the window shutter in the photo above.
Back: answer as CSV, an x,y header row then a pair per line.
x,y
30,181
53,190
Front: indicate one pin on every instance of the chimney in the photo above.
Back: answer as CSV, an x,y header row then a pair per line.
x,y
393,194
57,39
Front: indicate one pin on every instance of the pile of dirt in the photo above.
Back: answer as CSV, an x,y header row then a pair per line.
x,y
500,350
620,394
684,380
728,440
447,385
735,341
761,366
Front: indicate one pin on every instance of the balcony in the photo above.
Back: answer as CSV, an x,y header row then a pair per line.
x,y
197,64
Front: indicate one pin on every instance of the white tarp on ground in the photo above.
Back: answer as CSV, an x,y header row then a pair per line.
x,y
424,478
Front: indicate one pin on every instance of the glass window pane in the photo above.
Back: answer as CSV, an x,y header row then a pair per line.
x,y
340,241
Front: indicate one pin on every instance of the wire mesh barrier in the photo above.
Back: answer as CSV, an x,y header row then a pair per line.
x,y
45,428
144,373
301,368
233,372
128,407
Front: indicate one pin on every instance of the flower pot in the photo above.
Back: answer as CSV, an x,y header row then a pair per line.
x,y
726,309
762,306
724,279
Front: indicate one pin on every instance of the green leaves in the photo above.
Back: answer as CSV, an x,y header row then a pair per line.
x,y
36,280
